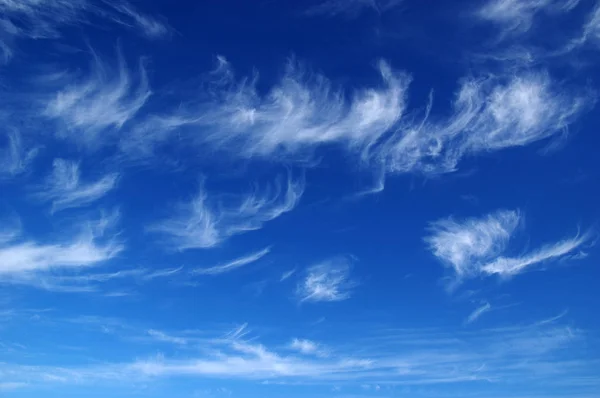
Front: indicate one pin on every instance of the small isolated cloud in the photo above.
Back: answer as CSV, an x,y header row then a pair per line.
x,y
234,264
25,258
307,347
64,188
326,281
104,100
15,157
475,246
351,8
205,223
478,312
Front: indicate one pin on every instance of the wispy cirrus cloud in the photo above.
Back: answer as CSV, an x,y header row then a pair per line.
x,y
15,157
46,19
233,264
475,246
304,112
511,354
20,257
205,222
351,8
99,103
478,312
64,188
326,281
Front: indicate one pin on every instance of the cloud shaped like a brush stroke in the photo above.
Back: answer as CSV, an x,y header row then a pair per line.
x,y
104,100
489,114
88,248
351,8
205,222
326,281
45,19
234,264
475,246
65,189
303,112
478,312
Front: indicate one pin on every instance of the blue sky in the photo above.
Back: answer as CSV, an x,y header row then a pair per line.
x,y
346,199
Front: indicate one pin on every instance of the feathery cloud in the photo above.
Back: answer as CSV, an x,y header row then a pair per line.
x,y
14,156
65,189
462,244
308,347
44,19
303,112
234,264
203,223
83,250
98,103
478,312
326,281
474,246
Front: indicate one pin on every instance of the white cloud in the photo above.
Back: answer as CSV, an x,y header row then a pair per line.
x,y
475,246
463,244
234,264
15,158
83,250
303,112
351,8
308,347
326,281
542,351
89,106
44,19
65,189
515,16
478,312
508,266
286,275
203,223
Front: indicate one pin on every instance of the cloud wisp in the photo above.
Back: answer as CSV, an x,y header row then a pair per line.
x,y
234,264
326,281
90,107
304,112
35,19
64,188
30,262
478,312
204,222
15,157
476,246
395,357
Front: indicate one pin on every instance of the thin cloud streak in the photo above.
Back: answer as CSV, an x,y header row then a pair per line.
x,y
234,264
15,157
478,312
65,189
82,250
34,19
541,351
204,223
